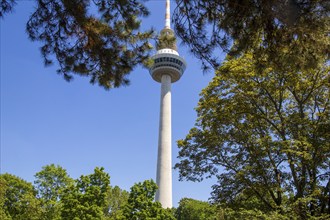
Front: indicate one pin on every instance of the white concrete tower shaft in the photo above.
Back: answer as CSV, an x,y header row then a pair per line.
x,y
164,162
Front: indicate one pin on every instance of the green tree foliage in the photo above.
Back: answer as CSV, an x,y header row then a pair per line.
x,y
50,183
263,134
254,214
116,201
58,197
292,32
86,199
166,39
4,215
141,205
191,209
99,39
18,199
6,6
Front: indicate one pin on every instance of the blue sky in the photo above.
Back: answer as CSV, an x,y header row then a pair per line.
x,y
45,119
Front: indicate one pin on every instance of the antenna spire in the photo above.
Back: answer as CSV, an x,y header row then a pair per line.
x,y
167,15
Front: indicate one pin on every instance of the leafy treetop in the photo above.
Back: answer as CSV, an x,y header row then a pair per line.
x,y
104,46
263,135
286,33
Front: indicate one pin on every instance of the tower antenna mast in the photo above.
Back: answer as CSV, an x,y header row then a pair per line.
x,y
168,15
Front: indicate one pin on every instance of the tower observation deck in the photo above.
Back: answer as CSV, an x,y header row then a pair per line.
x,y
167,68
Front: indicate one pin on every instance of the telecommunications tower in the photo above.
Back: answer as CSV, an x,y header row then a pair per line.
x,y
167,68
